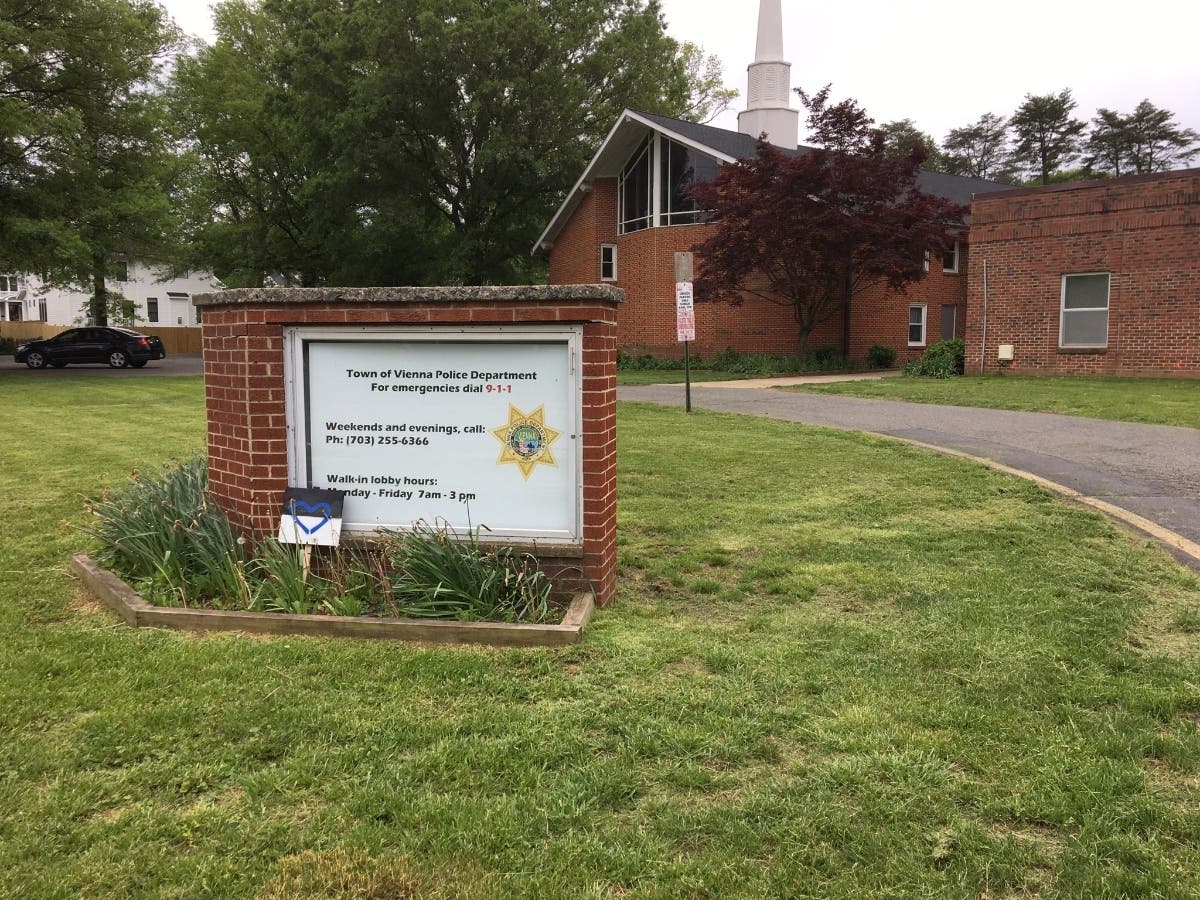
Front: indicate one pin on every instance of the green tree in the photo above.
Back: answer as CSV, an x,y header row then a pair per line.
x,y
1156,141
90,185
708,97
980,149
902,136
1046,137
273,188
1147,140
374,141
1108,143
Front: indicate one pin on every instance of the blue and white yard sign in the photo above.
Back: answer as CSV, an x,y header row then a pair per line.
x,y
311,516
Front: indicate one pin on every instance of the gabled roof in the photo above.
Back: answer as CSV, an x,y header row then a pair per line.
x,y
727,146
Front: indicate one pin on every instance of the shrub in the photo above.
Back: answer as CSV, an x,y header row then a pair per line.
x,y
441,574
8,346
881,357
160,529
944,359
821,359
161,533
648,362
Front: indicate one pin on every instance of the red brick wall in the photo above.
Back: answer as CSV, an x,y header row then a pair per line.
x,y
646,272
1143,230
245,392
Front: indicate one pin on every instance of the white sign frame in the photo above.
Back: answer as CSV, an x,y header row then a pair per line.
x,y
296,338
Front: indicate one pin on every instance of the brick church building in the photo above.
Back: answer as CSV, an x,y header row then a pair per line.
x,y
627,216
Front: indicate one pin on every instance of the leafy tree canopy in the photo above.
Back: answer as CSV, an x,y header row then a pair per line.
x,y
1046,137
980,149
85,156
809,230
1147,140
902,135
374,141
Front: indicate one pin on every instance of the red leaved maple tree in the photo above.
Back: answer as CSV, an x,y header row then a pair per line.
x,y
809,230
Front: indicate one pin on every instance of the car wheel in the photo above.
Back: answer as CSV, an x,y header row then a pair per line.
x,y
137,364
36,359
118,359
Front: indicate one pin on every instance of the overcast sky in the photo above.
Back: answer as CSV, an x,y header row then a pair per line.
x,y
943,64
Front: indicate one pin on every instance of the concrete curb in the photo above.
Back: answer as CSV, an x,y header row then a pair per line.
x,y
129,605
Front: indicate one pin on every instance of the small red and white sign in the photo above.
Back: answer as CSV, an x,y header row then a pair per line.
x,y
685,311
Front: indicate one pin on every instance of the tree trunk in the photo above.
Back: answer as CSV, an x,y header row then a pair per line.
x,y
846,317
99,300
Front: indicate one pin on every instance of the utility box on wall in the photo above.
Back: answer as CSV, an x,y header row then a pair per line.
x,y
491,407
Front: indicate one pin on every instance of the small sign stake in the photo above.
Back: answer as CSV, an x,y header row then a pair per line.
x,y
685,326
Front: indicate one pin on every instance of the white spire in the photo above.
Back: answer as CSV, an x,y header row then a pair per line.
x,y
769,89
770,32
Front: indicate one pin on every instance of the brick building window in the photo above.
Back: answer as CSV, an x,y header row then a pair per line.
x,y
608,262
1083,321
950,260
916,325
652,189
633,189
680,168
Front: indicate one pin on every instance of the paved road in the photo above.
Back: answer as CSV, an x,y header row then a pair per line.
x,y
1150,470
179,364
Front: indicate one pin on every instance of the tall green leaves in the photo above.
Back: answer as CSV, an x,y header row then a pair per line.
x,y
1147,140
1045,136
419,141
85,153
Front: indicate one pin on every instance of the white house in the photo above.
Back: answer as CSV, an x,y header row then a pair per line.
x,y
160,300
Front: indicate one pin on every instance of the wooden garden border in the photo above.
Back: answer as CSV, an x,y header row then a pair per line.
x,y
128,604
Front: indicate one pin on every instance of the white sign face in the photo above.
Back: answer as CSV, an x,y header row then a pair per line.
x,y
685,311
464,427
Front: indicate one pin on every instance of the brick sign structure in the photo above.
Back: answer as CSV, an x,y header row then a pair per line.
x,y
491,407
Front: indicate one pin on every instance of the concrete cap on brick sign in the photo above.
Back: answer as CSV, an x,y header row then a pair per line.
x,y
533,293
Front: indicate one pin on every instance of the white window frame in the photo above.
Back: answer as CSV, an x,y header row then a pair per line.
x,y
924,308
1063,311
926,261
954,269
651,218
612,261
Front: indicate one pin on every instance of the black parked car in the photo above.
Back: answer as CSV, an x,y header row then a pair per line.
x,y
119,347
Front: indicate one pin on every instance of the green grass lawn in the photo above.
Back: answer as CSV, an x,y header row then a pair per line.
x,y
837,667
1160,401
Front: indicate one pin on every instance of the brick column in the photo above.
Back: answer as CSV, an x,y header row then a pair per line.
x,y
245,395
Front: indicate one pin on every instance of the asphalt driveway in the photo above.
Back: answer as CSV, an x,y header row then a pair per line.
x,y
1150,470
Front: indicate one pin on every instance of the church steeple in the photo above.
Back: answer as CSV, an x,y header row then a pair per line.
x,y
768,94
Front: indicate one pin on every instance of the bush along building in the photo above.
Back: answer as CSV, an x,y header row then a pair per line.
x,y
1089,277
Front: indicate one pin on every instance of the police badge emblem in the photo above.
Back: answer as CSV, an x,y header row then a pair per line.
x,y
526,440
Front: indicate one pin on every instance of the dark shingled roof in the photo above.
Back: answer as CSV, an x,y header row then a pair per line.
x,y
731,143
955,188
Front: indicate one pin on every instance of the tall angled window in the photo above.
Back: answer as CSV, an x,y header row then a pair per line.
x,y
1084,317
634,190
681,168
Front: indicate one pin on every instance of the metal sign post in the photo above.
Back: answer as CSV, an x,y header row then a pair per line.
x,y
685,320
